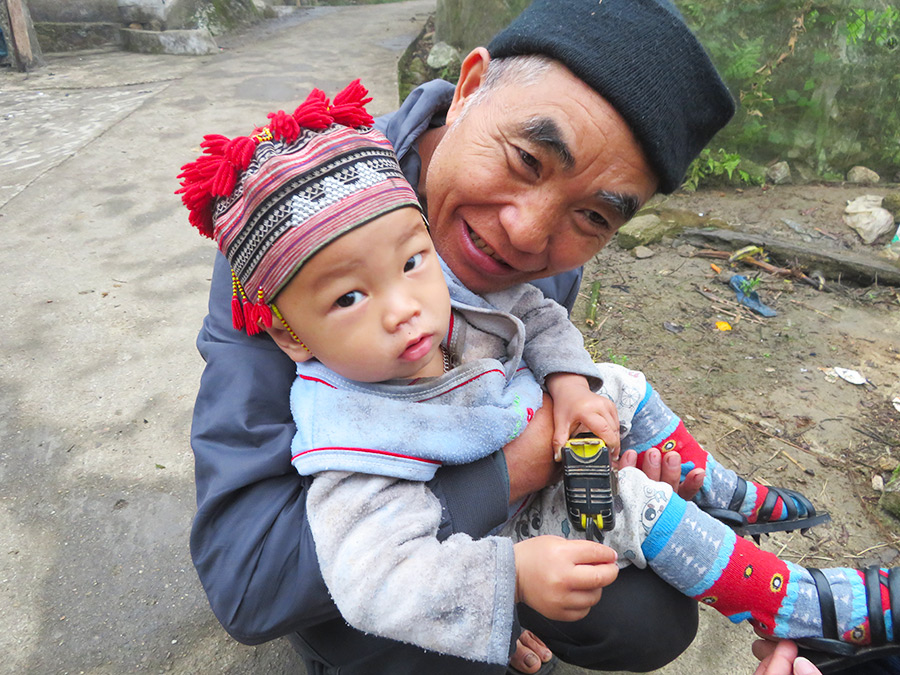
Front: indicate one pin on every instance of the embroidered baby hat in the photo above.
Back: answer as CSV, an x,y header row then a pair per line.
x,y
641,57
272,199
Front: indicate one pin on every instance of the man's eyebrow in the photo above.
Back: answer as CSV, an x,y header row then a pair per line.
x,y
546,132
625,205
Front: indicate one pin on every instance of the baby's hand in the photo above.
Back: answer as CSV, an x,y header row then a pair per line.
x,y
560,578
574,406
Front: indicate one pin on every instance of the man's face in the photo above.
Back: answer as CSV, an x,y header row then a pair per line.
x,y
373,305
532,181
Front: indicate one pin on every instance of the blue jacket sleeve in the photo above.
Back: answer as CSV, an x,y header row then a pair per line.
x,y
250,541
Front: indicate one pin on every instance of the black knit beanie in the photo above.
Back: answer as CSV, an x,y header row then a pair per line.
x,y
641,57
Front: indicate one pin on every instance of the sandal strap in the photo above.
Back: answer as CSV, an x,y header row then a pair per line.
x,y
768,506
802,500
826,604
873,579
894,592
737,498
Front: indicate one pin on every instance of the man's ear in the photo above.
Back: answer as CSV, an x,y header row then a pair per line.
x,y
296,351
471,75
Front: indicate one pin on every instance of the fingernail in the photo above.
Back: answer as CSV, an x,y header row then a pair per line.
x,y
546,656
653,458
803,666
531,661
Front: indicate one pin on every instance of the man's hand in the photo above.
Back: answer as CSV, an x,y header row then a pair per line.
x,y
574,406
529,458
781,659
562,579
666,469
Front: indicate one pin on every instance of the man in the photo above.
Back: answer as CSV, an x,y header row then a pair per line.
x,y
528,169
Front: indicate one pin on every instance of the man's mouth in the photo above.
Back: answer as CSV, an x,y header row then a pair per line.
x,y
483,246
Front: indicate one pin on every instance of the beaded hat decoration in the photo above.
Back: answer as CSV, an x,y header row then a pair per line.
x,y
273,199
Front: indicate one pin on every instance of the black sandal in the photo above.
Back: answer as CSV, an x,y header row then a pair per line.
x,y
763,525
830,655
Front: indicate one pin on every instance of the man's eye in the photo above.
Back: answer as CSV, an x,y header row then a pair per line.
x,y
348,299
413,263
528,159
596,219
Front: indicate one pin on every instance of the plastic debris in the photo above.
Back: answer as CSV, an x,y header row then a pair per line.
x,y
866,216
673,327
751,300
723,325
896,403
851,376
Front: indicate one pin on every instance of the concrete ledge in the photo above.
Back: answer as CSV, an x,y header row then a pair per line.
x,y
182,42
57,36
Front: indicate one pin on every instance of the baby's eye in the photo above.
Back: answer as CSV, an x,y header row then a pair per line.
x,y
413,263
348,299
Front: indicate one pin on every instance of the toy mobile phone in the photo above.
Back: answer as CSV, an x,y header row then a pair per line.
x,y
590,485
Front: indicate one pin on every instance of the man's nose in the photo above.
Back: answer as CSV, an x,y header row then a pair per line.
x,y
529,224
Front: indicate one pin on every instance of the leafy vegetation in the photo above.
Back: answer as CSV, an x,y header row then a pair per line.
x,y
817,82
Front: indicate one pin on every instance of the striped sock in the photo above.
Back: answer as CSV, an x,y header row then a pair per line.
x,y
703,558
655,426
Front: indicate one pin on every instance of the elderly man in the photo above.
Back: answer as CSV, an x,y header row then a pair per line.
x,y
555,135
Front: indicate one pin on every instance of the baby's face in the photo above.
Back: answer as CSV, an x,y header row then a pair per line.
x,y
373,305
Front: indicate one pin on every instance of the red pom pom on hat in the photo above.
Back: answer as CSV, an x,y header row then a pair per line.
x,y
313,112
348,106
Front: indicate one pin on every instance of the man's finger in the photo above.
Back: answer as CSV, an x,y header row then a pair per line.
x,y
670,471
691,484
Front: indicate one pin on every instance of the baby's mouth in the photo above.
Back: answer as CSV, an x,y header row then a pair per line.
x,y
482,245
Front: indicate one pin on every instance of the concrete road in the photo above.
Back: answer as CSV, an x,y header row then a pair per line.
x,y
105,287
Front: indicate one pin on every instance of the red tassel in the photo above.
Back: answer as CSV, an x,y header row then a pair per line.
x,y
237,313
264,314
223,182
250,319
348,107
240,152
283,126
313,112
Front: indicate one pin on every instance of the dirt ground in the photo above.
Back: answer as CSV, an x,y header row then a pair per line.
x,y
756,396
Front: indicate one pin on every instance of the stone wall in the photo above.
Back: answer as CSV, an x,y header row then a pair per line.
x,y
466,24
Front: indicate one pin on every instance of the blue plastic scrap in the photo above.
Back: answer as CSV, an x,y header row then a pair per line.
x,y
752,300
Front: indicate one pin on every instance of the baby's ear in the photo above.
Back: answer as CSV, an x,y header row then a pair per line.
x,y
296,351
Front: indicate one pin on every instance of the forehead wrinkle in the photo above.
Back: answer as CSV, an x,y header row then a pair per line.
x,y
626,205
545,132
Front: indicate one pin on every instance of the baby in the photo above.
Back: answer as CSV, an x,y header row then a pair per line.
x,y
400,369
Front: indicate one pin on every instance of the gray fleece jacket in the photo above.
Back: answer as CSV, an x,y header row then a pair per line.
x,y
373,520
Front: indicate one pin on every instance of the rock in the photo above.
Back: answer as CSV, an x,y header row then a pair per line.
x,y
891,202
890,498
779,173
442,55
155,24
865,216
878,483
135,26
641,252
756,172
886,463
805,172
860,174
644,230
182,42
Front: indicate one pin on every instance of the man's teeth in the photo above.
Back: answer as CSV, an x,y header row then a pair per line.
x,y
482,244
